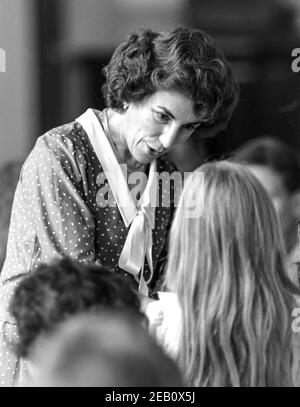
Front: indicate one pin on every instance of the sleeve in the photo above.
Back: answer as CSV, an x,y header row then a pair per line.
x,y
50,219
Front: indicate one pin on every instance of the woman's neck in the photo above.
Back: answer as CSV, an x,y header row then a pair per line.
x,y
118,140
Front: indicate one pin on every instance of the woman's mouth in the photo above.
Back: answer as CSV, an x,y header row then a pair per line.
x,y
154,152
151,151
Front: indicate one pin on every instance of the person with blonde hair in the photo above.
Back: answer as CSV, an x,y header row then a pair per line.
x,y
227,268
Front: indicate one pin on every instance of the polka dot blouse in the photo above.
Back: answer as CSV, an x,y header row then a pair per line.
x,y
55,213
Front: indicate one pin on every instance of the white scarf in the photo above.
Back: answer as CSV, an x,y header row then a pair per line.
x,y
139,217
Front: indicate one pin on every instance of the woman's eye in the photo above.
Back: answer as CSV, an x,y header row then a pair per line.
x,y
162,117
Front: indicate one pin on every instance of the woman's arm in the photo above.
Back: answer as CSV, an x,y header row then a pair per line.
x,y
50,219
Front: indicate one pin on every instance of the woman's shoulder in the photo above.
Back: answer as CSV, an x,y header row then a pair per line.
x,y
63,149
64,137
67,143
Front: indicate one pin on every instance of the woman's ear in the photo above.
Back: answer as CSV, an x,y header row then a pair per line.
x,y
125,105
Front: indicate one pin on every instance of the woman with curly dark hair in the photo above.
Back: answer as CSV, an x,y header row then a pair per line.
x,y
90,190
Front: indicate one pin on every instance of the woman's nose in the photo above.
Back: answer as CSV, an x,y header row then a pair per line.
x,y
169,137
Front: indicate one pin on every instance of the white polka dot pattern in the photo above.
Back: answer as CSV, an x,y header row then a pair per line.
x,y
55,213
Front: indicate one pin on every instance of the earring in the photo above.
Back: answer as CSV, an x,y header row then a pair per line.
x,y
125,106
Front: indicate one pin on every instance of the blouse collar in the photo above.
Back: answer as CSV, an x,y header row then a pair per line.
x,y
113,171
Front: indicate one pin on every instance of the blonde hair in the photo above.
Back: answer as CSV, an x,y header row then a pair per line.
x,y
227,267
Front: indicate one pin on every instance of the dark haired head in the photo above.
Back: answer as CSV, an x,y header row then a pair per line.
x,y
110,349
61,289
184,60
275,154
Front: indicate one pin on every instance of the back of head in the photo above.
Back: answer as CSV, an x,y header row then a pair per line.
x,y
277,166
110,349
275,154
185,60
228,270
61,289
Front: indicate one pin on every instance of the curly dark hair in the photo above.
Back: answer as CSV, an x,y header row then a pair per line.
x,y
62,289
185,60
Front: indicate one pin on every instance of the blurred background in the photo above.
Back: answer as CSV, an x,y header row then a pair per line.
x,y
56,49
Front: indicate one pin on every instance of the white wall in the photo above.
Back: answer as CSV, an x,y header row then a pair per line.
x,y
18,85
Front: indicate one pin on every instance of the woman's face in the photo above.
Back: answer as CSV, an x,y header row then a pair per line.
x,y
153,126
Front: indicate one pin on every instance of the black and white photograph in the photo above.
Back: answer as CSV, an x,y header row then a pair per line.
x,y
149,196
